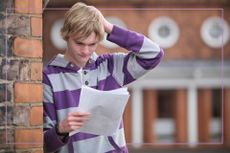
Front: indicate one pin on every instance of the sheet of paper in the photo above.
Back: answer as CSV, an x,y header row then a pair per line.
x,y
105,108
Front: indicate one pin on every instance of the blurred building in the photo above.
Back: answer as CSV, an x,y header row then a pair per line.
x,y
186,99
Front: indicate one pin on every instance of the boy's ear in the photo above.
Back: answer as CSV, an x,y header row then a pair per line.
x,y
66,38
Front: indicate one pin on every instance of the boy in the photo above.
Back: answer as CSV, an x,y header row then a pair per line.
x,y
63,77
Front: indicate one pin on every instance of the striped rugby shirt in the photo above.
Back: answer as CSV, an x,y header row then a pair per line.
x,y
62,86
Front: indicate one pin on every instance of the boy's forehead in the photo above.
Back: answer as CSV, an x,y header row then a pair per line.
x,y
92,38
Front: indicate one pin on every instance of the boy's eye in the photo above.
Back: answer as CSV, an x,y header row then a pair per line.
x,y
79,43
92,44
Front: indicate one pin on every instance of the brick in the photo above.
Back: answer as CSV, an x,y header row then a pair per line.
x,y
37,151
21,116
27,92
5,42
36,6
2,45
15,25
9,4
28,6
6,137
27,47
36,115
36,26
2,23
28,138
22,6
5,92
9,69
6,115
14,70
24,70
36,71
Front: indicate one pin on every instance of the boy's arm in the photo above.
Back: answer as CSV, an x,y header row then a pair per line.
x,y
143,55
52,141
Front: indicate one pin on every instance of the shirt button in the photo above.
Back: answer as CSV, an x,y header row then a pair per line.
x,y
86,82
85,72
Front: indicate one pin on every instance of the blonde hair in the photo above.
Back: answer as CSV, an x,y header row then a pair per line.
x,y
81,20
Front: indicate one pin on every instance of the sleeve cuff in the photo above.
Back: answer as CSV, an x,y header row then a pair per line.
x,y
52,141
129,40
118,36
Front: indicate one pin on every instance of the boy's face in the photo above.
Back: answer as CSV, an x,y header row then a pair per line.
x,y
80,51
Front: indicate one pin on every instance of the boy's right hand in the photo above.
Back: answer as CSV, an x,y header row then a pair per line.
x,y
73,122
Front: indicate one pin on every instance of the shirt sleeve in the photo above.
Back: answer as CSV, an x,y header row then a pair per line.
x,y
144,55
52,142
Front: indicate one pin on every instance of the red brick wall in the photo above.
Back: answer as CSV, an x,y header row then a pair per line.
x,y
21,75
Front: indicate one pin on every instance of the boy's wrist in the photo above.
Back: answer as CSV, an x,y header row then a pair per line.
x,y
58,131
108,27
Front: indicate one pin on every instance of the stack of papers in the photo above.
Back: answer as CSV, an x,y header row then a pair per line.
x,y
105,108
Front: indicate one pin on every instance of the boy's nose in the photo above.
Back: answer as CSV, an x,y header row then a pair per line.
x,y
85,50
